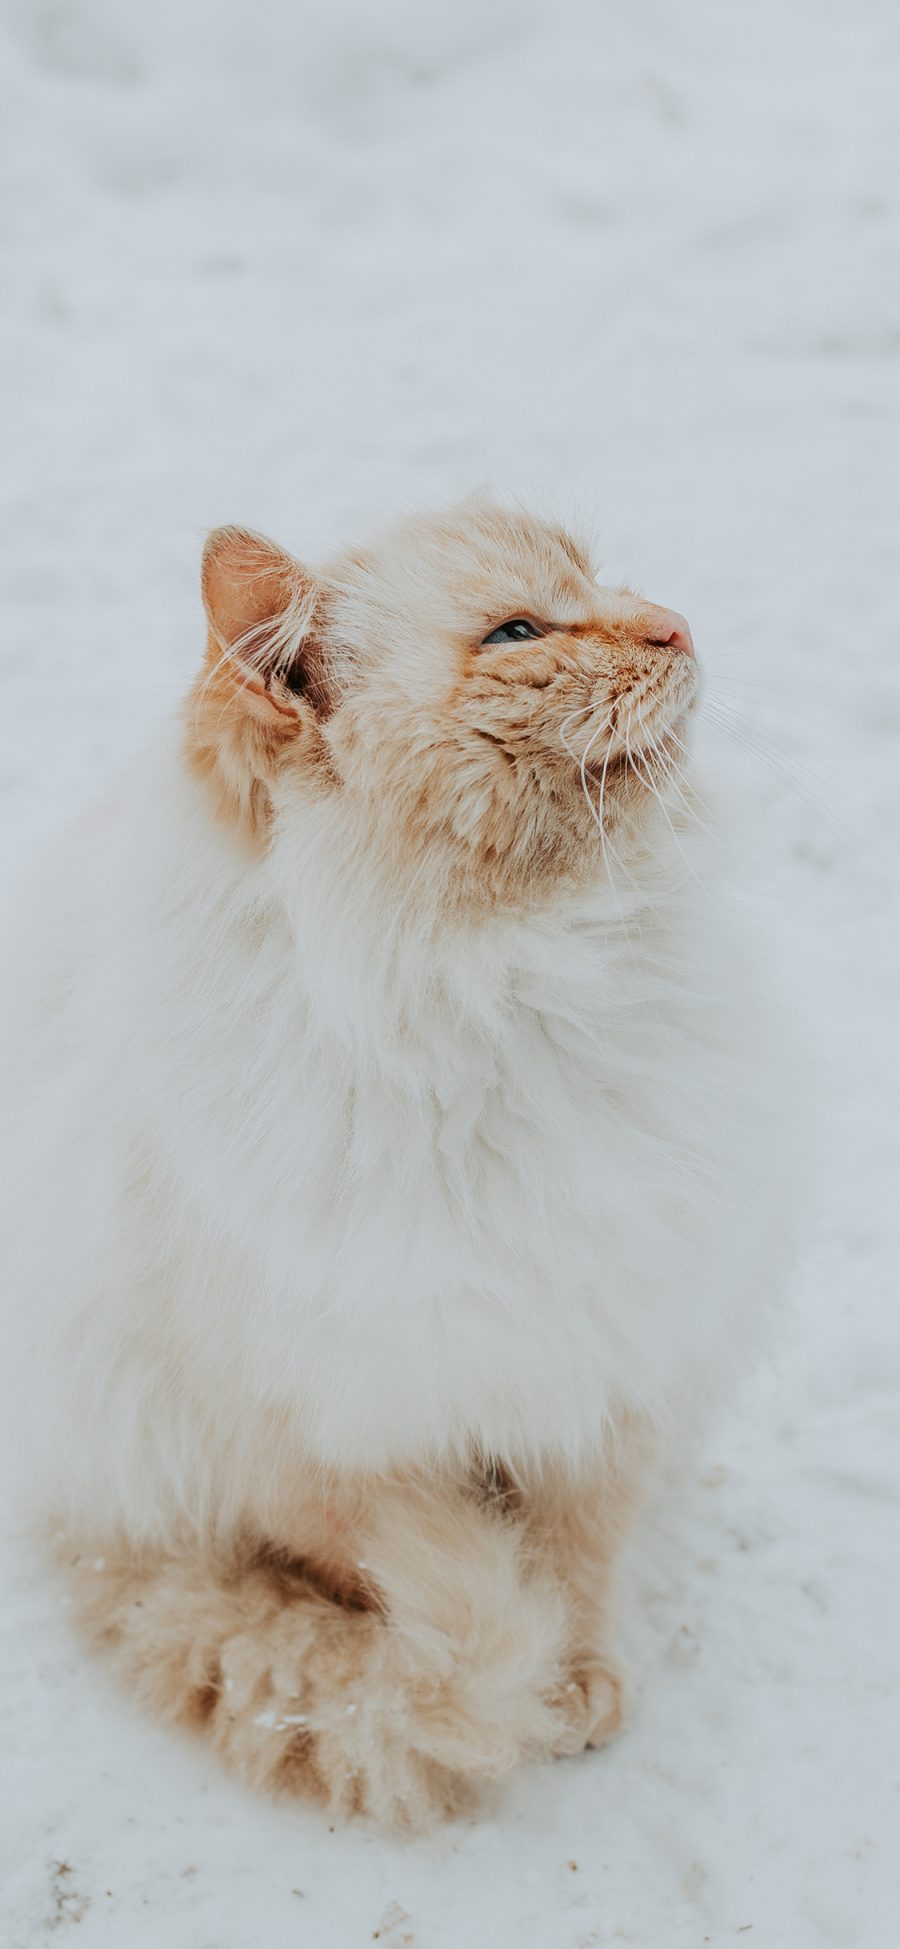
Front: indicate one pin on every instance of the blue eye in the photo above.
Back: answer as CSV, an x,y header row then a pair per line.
x,y
515,631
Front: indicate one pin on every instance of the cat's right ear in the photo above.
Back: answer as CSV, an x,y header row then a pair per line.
x,y
265,622
264,692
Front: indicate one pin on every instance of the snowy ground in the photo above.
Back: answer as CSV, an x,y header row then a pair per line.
x,y
303,265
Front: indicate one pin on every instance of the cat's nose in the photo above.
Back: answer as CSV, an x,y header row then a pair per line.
x,y
668,629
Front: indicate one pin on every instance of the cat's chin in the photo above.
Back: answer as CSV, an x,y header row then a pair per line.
x,y
649,730
659,747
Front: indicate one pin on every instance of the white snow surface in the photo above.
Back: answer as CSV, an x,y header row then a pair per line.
x,y
305,266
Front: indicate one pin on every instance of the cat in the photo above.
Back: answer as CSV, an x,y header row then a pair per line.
x,y
390,1169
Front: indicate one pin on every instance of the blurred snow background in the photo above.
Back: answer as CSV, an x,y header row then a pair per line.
x,y
307,265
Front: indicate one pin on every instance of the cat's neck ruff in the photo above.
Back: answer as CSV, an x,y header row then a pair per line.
x,y
454,1146
376,952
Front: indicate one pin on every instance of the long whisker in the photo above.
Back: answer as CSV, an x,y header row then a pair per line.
x,y
755,747
670,771
596,811
755,683
603,726
651,782
675,782
762,736
606,844
583,711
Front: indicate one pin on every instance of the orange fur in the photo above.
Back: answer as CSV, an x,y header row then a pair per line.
x,y
454,1665
578,1521
441,740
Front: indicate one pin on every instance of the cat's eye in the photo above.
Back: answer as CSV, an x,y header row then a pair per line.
x,y
517,630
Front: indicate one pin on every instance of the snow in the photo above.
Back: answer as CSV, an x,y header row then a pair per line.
x,y
304,267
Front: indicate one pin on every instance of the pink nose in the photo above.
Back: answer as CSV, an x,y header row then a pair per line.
x,y
668,629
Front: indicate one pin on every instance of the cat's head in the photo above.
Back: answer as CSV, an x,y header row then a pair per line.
x,y
469,700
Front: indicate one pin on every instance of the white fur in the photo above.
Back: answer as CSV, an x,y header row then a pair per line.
x,y
286,1178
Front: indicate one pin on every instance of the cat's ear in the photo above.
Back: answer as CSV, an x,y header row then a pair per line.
x,y
265,623
264,692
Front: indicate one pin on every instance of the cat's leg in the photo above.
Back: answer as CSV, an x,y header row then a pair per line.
x,y
577,1519
450,1673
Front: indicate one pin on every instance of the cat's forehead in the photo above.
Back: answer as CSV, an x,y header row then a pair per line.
x,y
475,561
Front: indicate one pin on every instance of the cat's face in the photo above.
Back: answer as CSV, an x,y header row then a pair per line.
x,y
479,703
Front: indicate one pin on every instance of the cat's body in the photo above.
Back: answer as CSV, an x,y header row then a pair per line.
x,y
351,1175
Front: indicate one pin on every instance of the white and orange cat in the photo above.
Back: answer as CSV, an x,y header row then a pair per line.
x,y
389,1164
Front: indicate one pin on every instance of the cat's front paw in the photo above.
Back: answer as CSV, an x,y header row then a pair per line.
x,y
593,1705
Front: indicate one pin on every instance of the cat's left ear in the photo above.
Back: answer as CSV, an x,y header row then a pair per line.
x,y
265,690
265,619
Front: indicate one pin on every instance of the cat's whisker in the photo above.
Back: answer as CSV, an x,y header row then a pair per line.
x,y
647,778
596,811
763,737
772,690
670,770
583,770
675,780
711,658
755,748
584,710
609,851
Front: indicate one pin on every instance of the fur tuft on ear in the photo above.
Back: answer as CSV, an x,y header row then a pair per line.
x,y
264,689
261,607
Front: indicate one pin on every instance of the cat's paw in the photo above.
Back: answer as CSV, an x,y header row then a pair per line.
x,y
593,1705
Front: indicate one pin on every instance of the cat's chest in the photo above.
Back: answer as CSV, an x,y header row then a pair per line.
x,y
505,1254
466,1163
472,1235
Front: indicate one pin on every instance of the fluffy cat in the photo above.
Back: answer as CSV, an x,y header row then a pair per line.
x,y
389,1168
